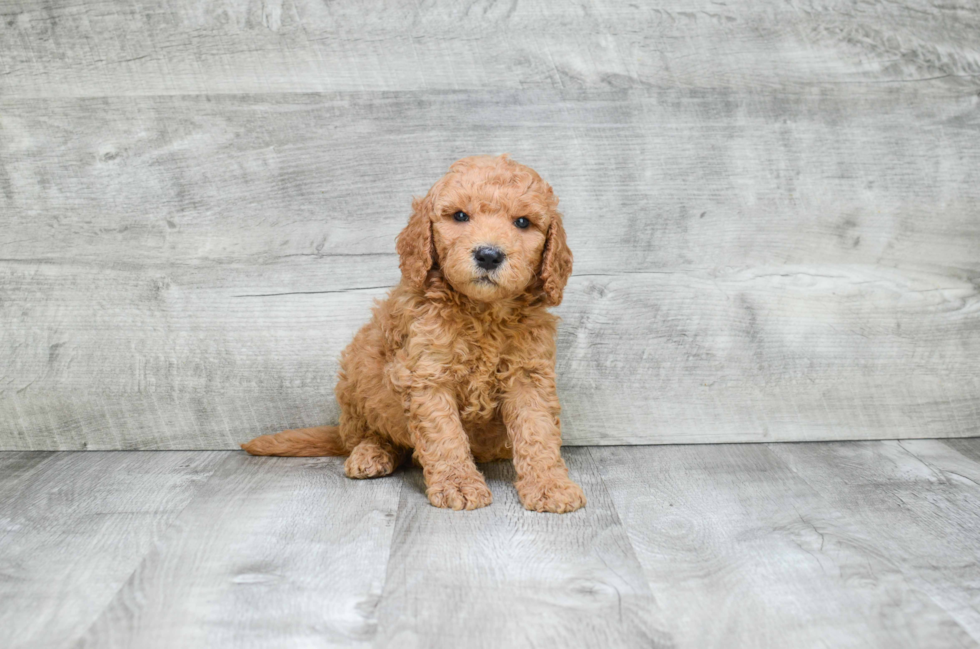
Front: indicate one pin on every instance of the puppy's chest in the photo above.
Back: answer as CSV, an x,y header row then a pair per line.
x,y
476,368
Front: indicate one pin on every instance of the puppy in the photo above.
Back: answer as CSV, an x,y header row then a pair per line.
x,y
458,362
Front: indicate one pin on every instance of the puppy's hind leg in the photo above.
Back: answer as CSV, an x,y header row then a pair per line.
x,y
373,457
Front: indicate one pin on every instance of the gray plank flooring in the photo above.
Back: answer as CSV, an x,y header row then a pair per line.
x,y
270,553
734,533
773,208
913,497
477,581
844,544
75,526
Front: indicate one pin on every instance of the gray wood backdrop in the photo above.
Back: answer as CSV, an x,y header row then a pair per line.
x,y
774,208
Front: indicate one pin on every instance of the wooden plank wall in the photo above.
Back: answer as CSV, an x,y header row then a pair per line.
x,y
774,207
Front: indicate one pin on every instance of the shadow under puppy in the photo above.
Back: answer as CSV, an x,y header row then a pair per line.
x,y
458,362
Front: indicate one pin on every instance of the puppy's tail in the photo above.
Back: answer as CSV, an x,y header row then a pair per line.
x,y
304,442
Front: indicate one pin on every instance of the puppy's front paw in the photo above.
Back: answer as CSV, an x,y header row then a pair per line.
x,y
556,495
459,492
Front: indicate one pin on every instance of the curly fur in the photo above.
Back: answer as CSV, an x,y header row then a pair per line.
x,y
458,363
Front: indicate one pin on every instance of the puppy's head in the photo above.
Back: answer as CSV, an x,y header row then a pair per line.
x,y
493,228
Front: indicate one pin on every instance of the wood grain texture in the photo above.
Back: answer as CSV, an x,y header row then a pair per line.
x,y
93,48
843,544
271,551
73,527
773,209
183,272
918,501
506,577
731,533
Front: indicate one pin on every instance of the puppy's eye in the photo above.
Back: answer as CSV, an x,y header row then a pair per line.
x,y
461,216
522,222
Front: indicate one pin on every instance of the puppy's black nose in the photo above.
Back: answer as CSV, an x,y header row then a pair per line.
x,y
488,257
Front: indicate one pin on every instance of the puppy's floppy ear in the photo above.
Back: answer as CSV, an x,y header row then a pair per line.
x,y
414,244
556,262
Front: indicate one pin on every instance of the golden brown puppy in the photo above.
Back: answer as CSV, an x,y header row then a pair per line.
x,y
458,362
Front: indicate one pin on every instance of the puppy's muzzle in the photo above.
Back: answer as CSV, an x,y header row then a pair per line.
x,y
488,257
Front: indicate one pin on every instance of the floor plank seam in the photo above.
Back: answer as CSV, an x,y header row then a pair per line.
x,y
619,520
390,543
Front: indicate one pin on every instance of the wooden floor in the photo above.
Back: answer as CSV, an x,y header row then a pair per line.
x,y
852,544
